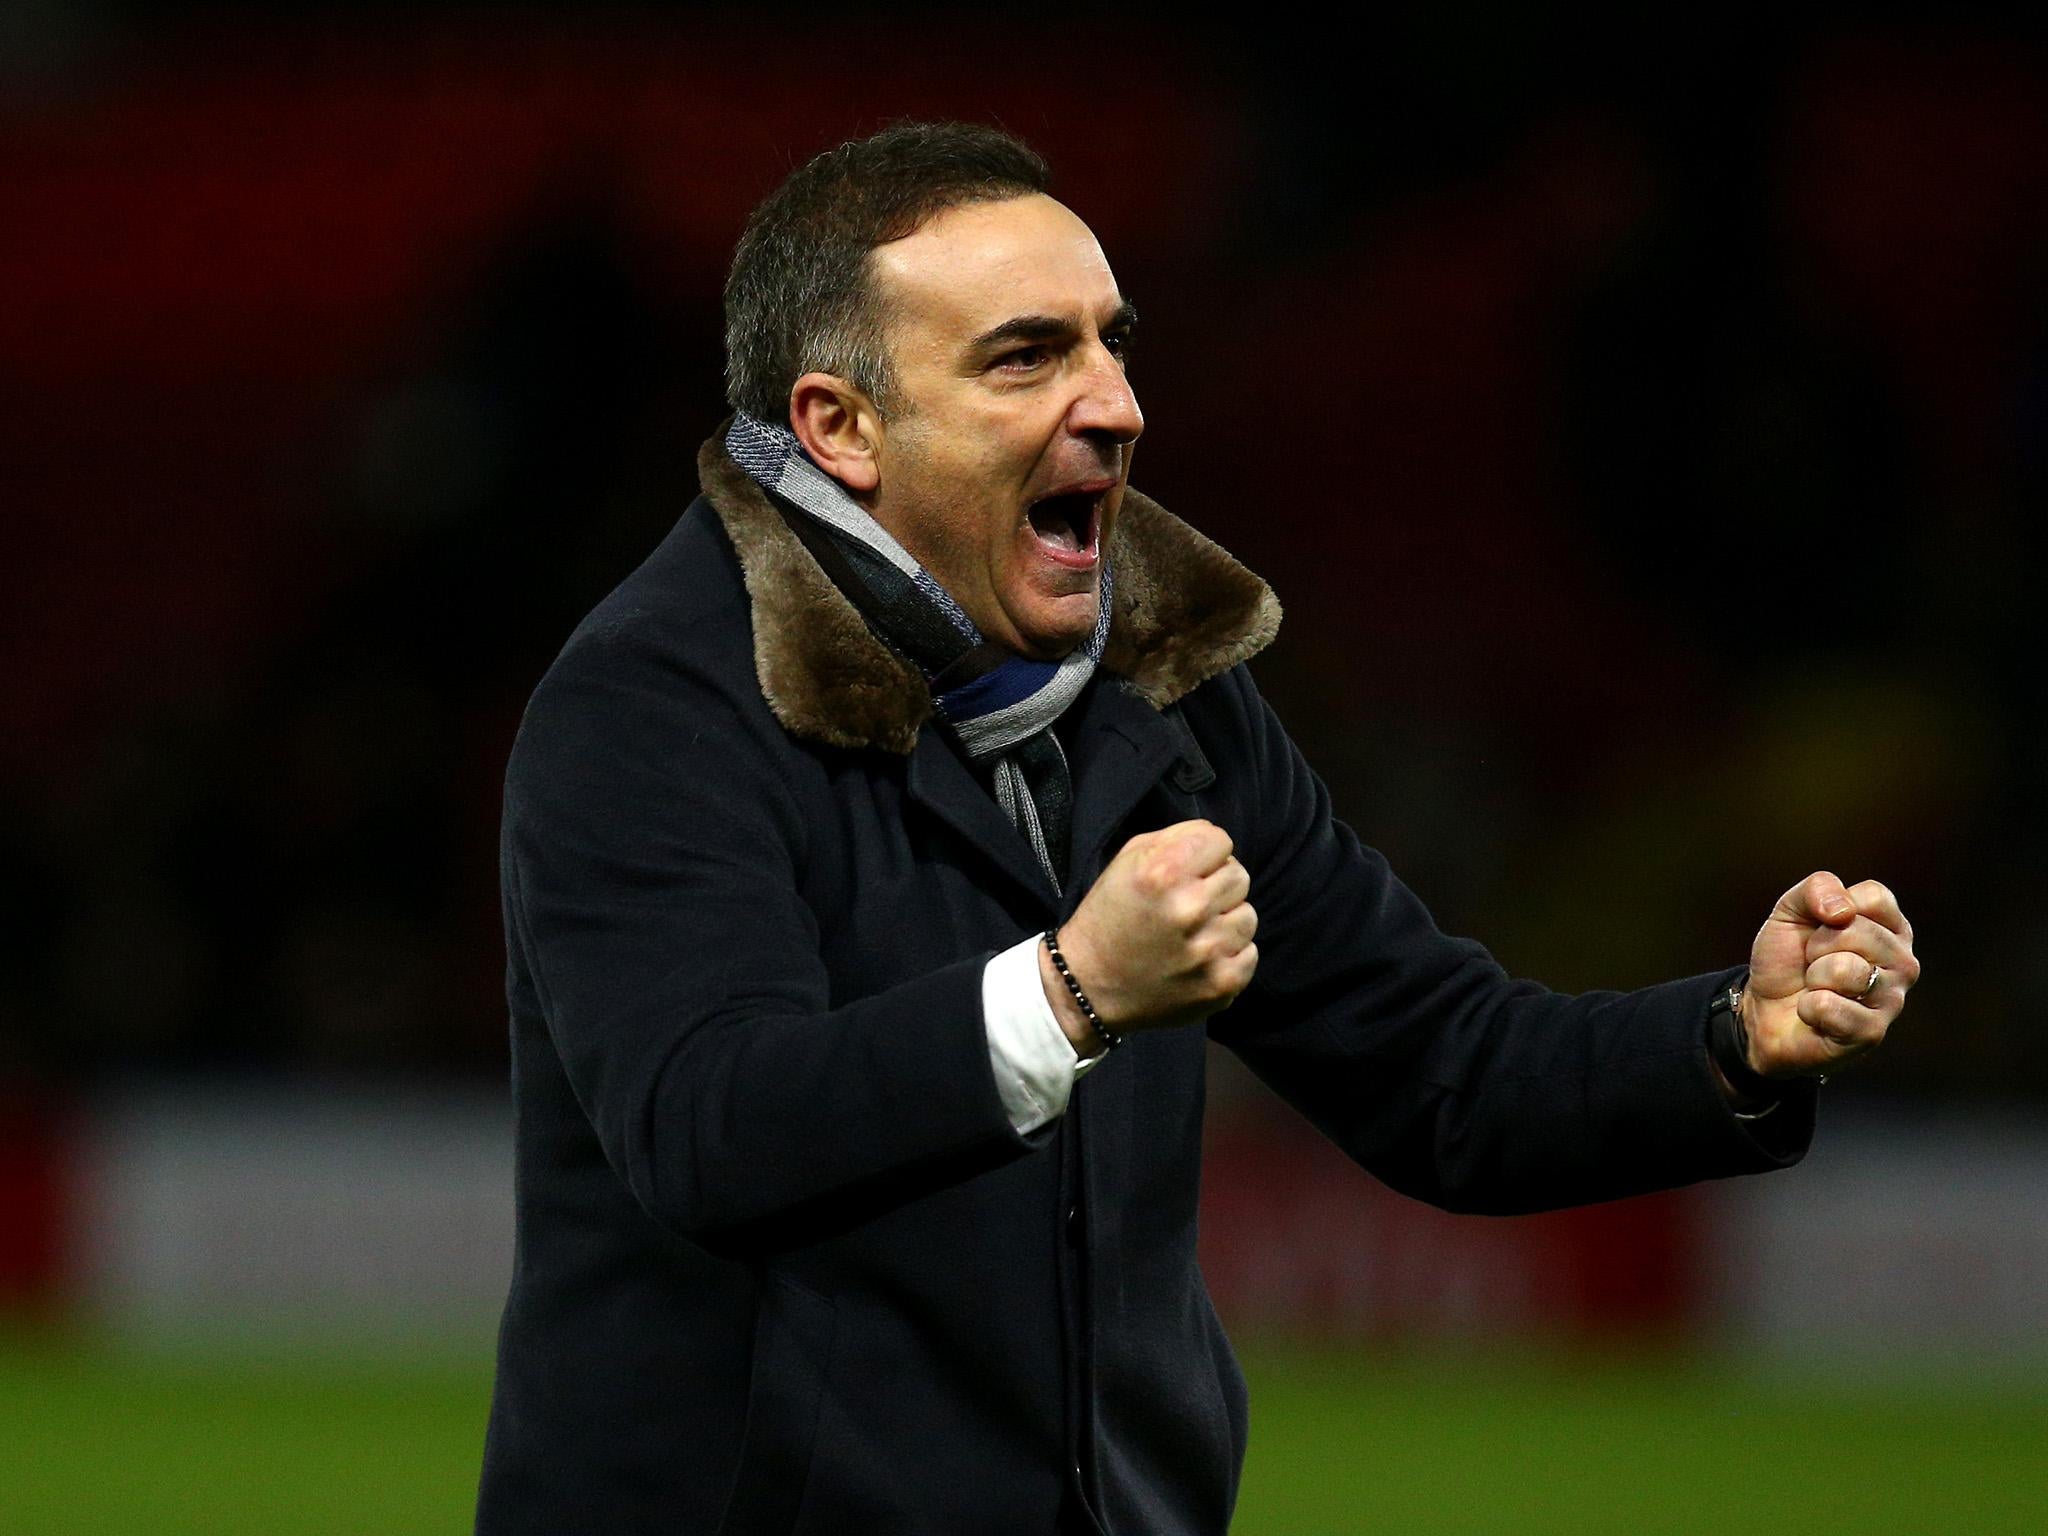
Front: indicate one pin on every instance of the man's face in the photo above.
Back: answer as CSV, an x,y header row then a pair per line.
x,y
1003,462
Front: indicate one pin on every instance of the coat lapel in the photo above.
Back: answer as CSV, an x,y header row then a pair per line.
x,y
1120,747
940,781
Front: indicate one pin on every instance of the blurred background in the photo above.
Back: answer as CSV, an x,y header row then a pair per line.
x,y
1644,423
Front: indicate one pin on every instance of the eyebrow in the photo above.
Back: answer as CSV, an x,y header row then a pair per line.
x,y
1030,329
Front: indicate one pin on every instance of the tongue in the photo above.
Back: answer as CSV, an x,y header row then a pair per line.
x,y
1056,522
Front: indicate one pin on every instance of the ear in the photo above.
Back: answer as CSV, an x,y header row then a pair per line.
x,y
839,428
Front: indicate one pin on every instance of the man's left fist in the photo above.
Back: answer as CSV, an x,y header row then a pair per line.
x,y
1828,973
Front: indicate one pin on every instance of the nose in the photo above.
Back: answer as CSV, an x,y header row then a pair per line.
x,y
1104,406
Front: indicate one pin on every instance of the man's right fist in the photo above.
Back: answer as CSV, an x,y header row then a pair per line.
x,y
1163,937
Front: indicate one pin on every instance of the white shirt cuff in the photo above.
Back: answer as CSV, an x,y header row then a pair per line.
x,y
1034,1061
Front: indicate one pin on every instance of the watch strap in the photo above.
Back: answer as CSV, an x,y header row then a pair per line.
x,y
1728,1045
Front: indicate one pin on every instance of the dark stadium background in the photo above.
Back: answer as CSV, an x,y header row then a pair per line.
x,y
1645,424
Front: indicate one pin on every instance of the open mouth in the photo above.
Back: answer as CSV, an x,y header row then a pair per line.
x,y
1068,523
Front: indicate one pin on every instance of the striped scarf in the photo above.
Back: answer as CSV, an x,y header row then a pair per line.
x,y
999,706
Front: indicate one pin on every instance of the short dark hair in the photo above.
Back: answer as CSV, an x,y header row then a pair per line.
x,y
801,295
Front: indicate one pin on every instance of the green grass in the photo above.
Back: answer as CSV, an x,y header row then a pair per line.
x,y
1420,1445
96,1440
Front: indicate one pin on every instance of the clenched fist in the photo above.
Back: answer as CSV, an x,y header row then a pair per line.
x,y
1163,937
1828,973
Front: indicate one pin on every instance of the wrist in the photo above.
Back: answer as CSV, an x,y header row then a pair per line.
x,y
1728,1051
1066,1013
1078,1021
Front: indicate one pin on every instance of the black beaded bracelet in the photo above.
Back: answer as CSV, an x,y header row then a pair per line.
x,y
1110,1038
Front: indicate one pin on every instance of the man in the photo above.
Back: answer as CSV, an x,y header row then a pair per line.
x,y
877,860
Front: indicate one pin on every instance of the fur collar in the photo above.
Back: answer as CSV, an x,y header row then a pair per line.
x,y
1184,612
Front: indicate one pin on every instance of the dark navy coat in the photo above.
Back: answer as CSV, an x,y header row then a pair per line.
x,y
782,1264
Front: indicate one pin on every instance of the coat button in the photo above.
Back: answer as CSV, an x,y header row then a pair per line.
x,y
1074,1225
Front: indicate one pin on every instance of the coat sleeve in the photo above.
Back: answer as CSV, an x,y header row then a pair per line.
x,y
650,855
1419,1056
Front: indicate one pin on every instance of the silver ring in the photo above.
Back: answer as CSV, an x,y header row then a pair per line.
x,y
1870,982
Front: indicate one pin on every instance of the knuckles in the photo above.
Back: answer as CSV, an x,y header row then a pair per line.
x,y
1154,877
1161,866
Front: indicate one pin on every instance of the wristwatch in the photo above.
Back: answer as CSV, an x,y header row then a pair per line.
x,y
1728,1045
